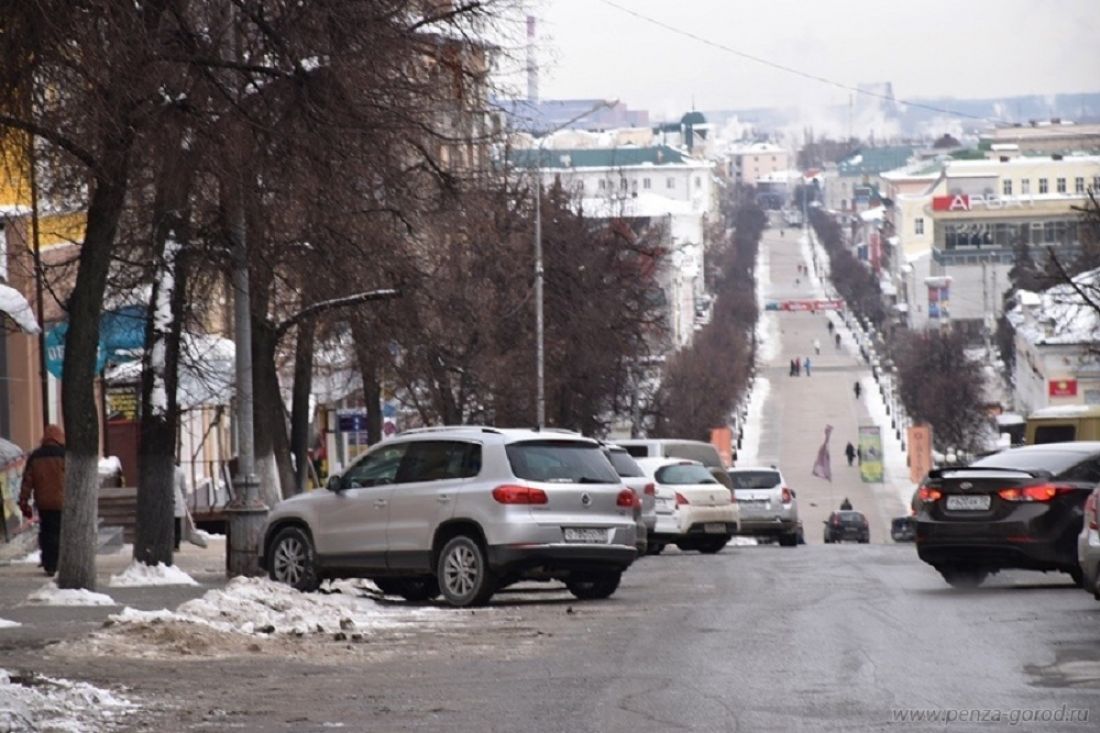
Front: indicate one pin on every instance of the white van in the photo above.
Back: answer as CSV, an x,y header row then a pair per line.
x,y
692,450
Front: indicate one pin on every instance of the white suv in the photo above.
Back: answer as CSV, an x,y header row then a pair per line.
x,y
461,511
769,508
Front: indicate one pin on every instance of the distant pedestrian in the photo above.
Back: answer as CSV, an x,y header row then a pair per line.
x,y
838,341
845,506
790,368
44,481
829,325
807,366
817,347
850,452
797,367
857,389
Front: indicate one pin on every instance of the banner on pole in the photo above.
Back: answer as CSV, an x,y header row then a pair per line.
x,y
870,452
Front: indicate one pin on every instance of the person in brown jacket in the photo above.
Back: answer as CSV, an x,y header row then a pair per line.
x,y
44,480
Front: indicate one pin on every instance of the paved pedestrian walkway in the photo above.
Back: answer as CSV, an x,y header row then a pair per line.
x,y
797,409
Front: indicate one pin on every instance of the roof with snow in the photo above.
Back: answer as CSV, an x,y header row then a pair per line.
x,y
872,161
1060,315
14,305
599,158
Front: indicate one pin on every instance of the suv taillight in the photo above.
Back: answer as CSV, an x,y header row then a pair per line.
x,y
927,494
1092,511
786,495
509,494
681,500
651,489
627,498
1042,492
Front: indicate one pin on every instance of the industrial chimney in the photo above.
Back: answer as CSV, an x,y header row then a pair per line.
x,y
532,63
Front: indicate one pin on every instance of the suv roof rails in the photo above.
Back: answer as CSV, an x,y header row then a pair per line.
x,y
557,430
445,428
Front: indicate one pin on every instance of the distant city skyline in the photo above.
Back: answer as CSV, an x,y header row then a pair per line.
x,y
936,48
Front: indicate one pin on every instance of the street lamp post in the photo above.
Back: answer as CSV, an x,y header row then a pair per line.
x,y
540,331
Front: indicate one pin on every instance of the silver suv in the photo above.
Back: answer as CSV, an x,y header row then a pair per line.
x,y
768,507
462,511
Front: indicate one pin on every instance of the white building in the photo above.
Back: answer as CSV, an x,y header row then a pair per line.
x,y
657,183
1057,338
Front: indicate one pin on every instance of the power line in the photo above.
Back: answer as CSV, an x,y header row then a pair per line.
x,y
791,69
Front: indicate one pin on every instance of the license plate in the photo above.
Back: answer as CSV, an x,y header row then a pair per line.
x,y
714,528
663,502
585,534
958,502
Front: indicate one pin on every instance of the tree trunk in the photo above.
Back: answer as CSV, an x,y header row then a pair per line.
x,y
76,565
299,412
370,372
155,534
272,446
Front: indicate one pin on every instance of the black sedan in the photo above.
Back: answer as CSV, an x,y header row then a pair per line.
x,y
1021,508
847,525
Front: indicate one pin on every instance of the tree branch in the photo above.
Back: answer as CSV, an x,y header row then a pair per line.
x,y
327,305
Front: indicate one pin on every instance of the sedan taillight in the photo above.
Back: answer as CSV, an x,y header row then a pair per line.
x,y
651,489
1042,492
786,495
681,500
928,494
1092,511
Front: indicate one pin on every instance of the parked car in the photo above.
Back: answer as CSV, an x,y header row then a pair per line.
x,y
767,507
1088,545
461,511
692,450
1020,508
903,529
847,525
694,510
634,477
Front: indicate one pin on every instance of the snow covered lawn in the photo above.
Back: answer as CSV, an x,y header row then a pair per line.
x,y
141,575
51,595
36,703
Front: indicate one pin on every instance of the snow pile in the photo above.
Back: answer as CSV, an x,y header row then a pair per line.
x,y
34,703
749,452
258,605
31,558
139,575
110,466
742,542
767,326
6,624
51,595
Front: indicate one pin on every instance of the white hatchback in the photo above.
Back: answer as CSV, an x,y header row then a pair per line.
x,y
694,510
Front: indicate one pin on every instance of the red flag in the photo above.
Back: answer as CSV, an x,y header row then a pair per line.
x,y
823,466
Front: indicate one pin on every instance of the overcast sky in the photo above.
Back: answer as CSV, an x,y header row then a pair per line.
x,y
961,48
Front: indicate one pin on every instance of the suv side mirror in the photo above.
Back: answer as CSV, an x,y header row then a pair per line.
x,y
334,484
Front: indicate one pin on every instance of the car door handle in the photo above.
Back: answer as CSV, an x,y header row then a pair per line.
x,y
442,498
380,503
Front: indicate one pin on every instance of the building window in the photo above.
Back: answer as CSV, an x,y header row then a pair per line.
x,y
1060,185
646,183
1079,184
670,182
1096,183
918,225
623,184
1025,186
1006,187
1043,188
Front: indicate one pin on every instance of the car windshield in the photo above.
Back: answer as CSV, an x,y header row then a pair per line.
x,y
624,464
1054,461
755,479
851,517
560,461
684,473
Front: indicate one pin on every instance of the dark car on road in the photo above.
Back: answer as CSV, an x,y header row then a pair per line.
x,y
903,529
1021,508
847,525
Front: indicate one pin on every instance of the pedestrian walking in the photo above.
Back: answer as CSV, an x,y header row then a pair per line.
x,y
797,367
44,482
845,506
857,389
838,341
817,347
850,452
807,366
829,325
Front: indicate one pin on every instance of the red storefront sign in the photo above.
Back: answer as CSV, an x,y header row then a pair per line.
x,y
819,304
958,202
1062,388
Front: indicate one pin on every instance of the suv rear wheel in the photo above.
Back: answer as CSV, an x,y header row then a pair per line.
x,y
594,587
463,573
292,560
